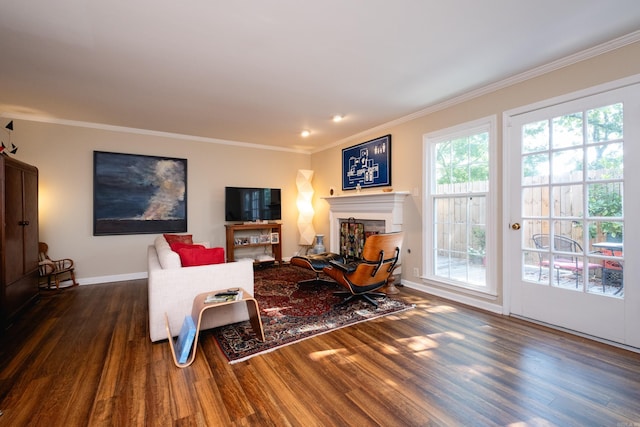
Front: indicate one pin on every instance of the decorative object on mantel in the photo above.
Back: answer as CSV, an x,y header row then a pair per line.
x,y
319,247
14,148
367,164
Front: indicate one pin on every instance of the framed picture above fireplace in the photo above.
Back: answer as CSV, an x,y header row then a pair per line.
x,y
367,164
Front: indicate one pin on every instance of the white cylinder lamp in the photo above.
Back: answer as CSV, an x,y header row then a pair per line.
x,y
305,208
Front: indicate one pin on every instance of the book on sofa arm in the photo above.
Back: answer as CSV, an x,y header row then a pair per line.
x,y
184,342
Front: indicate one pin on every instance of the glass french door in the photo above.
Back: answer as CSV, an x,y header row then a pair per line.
x,y
570,242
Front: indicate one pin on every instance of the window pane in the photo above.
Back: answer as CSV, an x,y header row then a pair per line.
x,y
567,165
567,130
535,201
460,238
605,200
461,162
604,123
536,268
567,201
606,231
535,137
460,168
478,237
535,169
605,161
442,226
442,234
442,167
530,228
568,229
481,184
441,183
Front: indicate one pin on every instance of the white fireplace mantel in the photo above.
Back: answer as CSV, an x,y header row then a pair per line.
x,y
365,206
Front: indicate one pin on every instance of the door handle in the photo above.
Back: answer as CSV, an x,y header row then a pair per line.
x,y
23,223
515,226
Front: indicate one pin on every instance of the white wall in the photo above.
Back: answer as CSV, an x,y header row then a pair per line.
x,y
64,156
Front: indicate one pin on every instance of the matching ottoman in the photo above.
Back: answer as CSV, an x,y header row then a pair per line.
x,y
316,262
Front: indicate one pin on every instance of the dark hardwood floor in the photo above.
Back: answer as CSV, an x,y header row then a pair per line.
x,y
83,357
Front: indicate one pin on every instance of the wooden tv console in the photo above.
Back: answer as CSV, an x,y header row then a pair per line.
x,y
243,236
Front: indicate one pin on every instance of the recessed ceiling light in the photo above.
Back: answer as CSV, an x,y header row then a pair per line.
x,y
337,118
305,133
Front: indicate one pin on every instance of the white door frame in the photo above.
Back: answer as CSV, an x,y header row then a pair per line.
x,y
509,257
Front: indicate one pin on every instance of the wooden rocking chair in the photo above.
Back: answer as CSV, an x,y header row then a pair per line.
x,y
54,269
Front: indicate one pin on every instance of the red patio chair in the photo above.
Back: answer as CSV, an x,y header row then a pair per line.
x,y
568,255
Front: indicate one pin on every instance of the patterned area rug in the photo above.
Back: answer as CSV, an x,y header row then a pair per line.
x,y
292,313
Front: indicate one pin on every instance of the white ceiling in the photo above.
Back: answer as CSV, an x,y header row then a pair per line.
x,y
260,71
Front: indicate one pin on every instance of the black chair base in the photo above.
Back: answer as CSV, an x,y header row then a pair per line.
x,y
367,297
317,281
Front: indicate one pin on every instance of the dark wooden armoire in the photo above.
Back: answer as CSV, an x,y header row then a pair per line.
x,y
18,237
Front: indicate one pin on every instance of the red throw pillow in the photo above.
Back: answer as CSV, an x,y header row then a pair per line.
x,y
179,238
176,246
205,256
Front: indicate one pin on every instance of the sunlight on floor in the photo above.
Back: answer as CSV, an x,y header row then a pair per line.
x,y
391,383
476,370
319,355
388,349
442,309
535,421
431,341
418,343
400,316
276,310
312,327
454,335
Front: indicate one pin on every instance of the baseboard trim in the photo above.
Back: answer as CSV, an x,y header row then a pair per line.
x,y
114,278
463,299
577,333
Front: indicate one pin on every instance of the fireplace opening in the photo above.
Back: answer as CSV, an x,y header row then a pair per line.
x,y
354,232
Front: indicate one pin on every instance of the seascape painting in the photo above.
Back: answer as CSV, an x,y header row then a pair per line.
x,y
137,194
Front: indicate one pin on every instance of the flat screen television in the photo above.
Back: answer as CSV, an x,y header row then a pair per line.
x,y
252,204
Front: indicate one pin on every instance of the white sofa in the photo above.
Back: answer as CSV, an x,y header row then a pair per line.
x,y
172,288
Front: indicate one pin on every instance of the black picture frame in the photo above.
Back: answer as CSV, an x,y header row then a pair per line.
x,y
367,164
138,194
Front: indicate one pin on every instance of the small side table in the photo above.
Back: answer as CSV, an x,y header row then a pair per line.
x,y
390,287
199,307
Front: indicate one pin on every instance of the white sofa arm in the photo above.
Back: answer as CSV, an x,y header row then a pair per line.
x,y
172,291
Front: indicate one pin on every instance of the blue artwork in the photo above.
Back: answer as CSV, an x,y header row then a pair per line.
x,y
139,194
367,164
185,339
